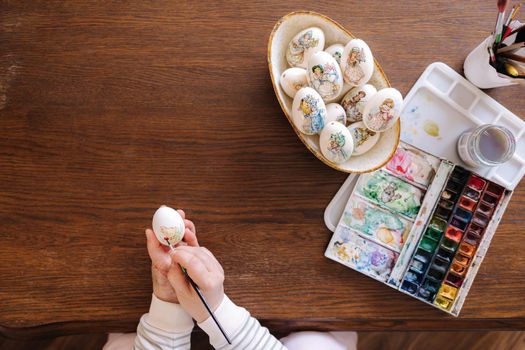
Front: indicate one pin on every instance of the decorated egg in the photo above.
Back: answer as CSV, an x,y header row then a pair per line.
x,y
336,50
355,100
335,113
292,80
364,138
383,109
324,75
336,142
168,225
303,45
308,111
357,63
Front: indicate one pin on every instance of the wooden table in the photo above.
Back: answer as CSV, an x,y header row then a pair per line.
x,y
109,110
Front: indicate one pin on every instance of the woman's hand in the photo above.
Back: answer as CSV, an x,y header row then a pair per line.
x,y
205,271
161,260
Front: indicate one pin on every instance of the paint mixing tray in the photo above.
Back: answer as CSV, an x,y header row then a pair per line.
x,y
442,105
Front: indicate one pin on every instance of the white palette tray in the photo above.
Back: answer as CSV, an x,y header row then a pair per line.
x,y
445,101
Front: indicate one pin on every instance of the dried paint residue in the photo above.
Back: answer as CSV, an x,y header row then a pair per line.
x,y
431,128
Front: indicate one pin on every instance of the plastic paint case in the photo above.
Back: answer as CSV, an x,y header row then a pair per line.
x,y
442,248
461,207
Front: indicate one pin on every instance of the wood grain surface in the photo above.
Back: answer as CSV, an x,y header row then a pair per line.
x,y
109,109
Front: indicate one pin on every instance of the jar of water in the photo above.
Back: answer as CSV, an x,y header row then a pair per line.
x,y
487,145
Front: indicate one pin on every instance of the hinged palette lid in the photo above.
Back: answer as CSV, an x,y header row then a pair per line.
x,y
442,105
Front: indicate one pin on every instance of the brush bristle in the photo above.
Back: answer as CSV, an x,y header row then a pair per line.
x,y
502,4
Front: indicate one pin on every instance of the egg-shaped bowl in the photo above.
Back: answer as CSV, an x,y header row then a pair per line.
x,y
284,30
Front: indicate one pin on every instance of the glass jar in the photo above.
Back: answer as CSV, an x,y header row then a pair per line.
x,y
487,145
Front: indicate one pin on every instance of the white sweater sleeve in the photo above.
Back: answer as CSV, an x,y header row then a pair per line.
x,y
244,331
166,326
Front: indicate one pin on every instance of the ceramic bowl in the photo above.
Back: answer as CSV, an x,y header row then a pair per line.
x,y
282,33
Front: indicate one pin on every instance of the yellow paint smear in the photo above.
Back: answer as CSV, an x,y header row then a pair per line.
x,y
431,128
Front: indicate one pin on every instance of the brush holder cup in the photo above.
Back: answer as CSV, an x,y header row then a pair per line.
x,y
478,70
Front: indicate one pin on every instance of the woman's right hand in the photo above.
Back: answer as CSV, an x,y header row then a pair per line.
x,y
205,271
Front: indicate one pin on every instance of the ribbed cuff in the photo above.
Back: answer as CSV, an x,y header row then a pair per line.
x,y
169,317
230,316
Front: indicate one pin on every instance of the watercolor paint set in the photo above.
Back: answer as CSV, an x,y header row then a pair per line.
x,y
422,223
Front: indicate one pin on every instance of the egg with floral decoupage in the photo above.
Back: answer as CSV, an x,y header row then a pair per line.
x,y
303,45
383,110
308,111
336,143
168,225
336,50
335,113
324,75
355,101
364,138
357,63
292,80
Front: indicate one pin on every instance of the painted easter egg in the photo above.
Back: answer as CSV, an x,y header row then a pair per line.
x,y
355,101
167,223
364,138
336,50
292,80
336,142
324,75
335,113
303,45
357,63
383,110
308,111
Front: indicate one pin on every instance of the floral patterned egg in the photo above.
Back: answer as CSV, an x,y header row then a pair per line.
x,y
308,111
336,50
355,100
168,225
364,138
383,109
292,80
324,75
303,45
357,63
336,143
335,113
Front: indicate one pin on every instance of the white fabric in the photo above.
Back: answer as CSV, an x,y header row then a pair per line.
x,y
168,326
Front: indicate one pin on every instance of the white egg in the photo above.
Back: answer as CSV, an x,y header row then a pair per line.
x,y
292,80
357,63
335,113
336,142
324,75
167,223
336,50
308,111
364,138
355,101
303,45
383,110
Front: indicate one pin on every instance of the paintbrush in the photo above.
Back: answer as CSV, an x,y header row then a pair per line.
x,y
506,28
201,297
502,5
513,56
517,30
515,46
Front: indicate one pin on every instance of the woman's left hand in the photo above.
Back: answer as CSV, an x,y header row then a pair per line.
x,y
161,260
